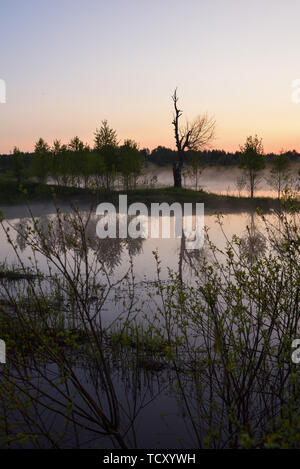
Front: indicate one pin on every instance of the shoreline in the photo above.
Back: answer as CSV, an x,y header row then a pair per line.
x,y
12,195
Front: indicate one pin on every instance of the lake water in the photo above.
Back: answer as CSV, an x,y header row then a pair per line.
x,y
118,251
162,420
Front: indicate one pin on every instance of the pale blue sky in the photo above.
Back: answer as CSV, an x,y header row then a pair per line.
x,y
68,64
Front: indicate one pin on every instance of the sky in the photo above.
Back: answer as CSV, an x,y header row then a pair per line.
x,y
69,64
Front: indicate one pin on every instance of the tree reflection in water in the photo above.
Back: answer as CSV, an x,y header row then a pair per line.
x,y
109,251
220,345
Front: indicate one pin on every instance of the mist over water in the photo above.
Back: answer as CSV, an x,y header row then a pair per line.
x,y
217,179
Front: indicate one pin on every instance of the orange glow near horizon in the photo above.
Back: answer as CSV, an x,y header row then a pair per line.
x,y
235,60
273,141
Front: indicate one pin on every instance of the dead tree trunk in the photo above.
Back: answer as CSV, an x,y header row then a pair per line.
x,y
193,137
177,165
177,168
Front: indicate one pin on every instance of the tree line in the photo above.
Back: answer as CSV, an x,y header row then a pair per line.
x,y
160,156
165,156
106,165
109,165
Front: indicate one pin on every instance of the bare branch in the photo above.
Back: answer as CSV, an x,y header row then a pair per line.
x,y
199,133
175,121
192,136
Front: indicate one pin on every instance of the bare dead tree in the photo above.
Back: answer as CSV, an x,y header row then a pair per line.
x,y
192,136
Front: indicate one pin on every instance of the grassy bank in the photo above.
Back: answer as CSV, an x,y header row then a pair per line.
x,y
11,193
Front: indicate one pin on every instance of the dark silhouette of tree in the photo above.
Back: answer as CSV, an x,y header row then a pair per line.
x,y
252,161
79,161
41,160
130,164
59,167
105,136
192,136
106,146
145,154
76,144
162,156
18,165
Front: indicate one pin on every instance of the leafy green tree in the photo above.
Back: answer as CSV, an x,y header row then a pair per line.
x,y
130,164
106,147
76,144
105,136
59,163
86,164
77,160
41,160
97,169
252,161
18,165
